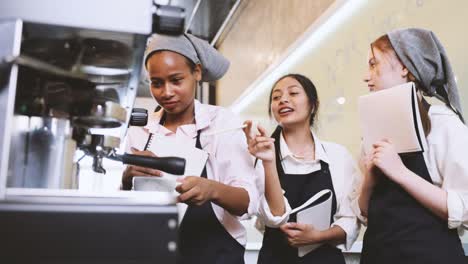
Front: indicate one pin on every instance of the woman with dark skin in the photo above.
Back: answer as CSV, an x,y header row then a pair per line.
x,y
210,231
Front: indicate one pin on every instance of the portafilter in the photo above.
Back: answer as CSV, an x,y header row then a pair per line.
x,y
103,146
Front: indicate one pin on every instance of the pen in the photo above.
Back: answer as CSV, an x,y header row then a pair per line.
x,y
223,130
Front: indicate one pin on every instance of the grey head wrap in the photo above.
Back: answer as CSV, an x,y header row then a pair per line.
x,y
425,57
213,64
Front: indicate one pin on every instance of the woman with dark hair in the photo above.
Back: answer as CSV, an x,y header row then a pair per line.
x,y
210,231
414,203
298,165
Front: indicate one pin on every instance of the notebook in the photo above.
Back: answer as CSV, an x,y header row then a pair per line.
x,y
393,114
195,161
316,212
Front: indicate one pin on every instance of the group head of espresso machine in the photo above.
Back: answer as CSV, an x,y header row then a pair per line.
x,y
67,78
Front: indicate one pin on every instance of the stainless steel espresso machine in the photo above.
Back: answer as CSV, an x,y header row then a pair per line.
x,y
69,71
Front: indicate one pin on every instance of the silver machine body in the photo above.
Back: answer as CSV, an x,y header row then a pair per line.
x,y
67,67
69,71
43,154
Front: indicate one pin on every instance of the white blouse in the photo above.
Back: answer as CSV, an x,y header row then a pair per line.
x,y
229,161
343,169
446,158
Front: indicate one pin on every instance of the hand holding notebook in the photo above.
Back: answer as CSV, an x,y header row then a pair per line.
x,y
392,114
165,147
317,213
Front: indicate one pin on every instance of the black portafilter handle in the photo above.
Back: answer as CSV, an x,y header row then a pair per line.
x,y
172,165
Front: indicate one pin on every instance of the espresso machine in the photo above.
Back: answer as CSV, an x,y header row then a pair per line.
x,y
69,71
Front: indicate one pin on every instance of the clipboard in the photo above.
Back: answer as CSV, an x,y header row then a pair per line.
x,y
392,113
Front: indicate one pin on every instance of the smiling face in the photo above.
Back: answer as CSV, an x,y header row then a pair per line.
x,y
173,81
290,104
384,68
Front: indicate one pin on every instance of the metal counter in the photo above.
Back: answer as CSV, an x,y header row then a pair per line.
x,y
47,226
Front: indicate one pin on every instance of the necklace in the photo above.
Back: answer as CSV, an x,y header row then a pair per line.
x,y
304,154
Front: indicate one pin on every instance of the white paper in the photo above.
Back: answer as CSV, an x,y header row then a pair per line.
x,y
195,159
318,216
155,184
389,114
165,184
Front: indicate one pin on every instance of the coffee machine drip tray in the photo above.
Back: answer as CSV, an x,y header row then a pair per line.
x,y
84,198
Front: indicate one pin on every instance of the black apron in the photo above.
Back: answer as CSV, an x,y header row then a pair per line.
x,y
201,237
298,189
401,230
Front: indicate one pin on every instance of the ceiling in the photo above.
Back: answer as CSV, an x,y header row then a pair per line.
x,y
333,54
204,19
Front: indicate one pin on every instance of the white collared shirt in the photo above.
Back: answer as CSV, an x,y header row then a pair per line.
x,y
446,159
342,169
229,161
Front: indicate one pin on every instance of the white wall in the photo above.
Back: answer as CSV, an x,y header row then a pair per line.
x,y
332,52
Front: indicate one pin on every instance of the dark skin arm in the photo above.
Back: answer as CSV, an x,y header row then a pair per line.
x,y
132,171
198,190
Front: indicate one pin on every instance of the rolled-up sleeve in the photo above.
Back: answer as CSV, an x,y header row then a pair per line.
x,y
355,193
457,204
345,216
235,165
265,217
355,206
350,226
452,163
270,220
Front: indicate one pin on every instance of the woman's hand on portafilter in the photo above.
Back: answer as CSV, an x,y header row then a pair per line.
x,y
132,171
